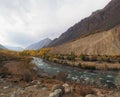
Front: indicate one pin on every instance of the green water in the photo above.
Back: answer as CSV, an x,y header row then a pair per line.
x,y
76,74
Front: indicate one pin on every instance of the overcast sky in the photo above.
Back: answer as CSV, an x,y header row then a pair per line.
x,y
23,22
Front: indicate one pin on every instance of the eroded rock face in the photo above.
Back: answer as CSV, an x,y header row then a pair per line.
x,y
102,43
100,20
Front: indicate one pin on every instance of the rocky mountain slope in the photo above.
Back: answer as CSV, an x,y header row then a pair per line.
x,y
2,47
101,20
102,43
39,44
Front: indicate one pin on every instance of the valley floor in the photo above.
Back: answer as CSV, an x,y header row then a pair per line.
x,y
18,79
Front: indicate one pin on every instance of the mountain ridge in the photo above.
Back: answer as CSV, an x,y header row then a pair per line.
x,y
103,43
100,20
39,45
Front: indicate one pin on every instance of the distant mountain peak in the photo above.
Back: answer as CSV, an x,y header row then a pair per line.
x,y
40,44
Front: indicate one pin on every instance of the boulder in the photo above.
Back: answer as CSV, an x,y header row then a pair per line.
x,y
101,95
90,95
56,93
58,86
67,88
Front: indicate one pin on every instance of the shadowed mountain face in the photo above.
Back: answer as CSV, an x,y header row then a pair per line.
x,y
2,47
39,45
100,20
102,43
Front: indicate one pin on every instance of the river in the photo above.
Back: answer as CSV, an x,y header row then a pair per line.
x,y
76,74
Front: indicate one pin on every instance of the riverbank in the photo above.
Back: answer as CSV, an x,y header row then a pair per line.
x,y
43,87
104,71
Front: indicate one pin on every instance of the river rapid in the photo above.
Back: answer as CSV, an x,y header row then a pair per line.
x,y
74,74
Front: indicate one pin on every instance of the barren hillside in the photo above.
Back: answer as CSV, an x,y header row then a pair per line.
x,y
101,20
102,43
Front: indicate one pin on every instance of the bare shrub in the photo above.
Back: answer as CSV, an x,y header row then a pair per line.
x,y
27,73
84,90
27,76
3,71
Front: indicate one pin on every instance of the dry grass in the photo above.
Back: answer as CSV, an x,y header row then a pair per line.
x,y
21,69
84,90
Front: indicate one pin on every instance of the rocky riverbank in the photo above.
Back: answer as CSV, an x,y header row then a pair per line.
x,y
48,87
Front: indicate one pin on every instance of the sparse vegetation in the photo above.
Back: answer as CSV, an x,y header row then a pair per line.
x,y
84,90
90,67
71,56
82,57
15,64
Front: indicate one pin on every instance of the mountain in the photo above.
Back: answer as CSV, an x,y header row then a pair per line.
x,y
39,44
2,47
102,43
101,20
15,48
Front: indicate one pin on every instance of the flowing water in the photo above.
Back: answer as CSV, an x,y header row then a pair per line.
x,y
76,74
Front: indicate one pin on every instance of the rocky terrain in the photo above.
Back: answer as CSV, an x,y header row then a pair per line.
x,y
47,87
102,43
101,20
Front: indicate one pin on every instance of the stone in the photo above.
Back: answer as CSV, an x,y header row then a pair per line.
x,y
67,88
40,86
44,88
90,95
14,95
72,89
55,87
5,87
56,93
30,95
101,95
52,95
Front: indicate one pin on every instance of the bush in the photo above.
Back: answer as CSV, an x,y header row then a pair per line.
x,y
27,73
3,71
71,56
82,57
92,58
83,66
27,76
91,67
84,90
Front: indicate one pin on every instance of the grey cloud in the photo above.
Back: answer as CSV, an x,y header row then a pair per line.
x,y
26,21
